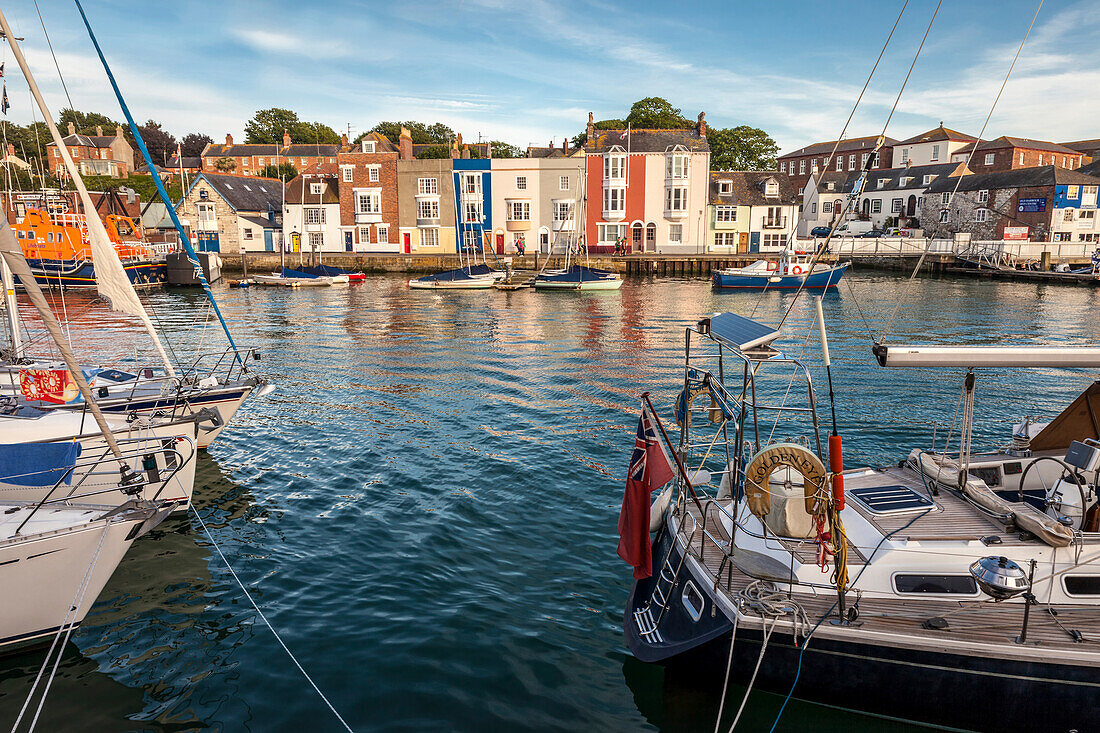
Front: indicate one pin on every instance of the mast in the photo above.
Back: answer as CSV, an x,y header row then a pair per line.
x,y
111,279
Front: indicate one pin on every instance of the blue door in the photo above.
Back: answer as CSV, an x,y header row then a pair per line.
x,y
208,242
269,242
754,242
348,246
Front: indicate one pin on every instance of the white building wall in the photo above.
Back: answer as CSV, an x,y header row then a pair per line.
x,y
332,236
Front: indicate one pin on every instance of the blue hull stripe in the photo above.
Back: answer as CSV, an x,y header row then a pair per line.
x,y
819,280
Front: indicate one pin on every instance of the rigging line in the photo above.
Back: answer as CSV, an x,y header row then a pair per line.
x,y
266,622
854,196
55,64
973,151
859,309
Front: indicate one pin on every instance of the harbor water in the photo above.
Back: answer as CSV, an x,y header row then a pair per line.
x,y
426,507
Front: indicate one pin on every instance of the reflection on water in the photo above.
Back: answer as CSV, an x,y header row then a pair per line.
x,y
426,506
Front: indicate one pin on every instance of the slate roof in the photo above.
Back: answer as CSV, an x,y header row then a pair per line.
x,y
298,190
550,151
1088,147
295,150
648,141
261,221
842,181
304,150
87,141
382,143
1005,141
244,193
1047,175
912,175
848,145
1092,169
748,188
188,162
938,134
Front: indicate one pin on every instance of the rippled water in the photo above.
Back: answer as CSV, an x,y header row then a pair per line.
x,y
426,507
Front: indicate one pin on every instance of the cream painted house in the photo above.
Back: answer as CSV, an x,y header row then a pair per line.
x,y
750,211
537,202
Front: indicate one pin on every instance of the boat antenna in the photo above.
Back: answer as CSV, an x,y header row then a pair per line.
x,y
192,257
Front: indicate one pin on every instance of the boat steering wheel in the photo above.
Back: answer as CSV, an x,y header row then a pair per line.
x,y
1067,471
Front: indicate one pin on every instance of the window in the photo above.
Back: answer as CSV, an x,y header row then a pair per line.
x,y
676,199
614,167
876,206
471,212
315,189
774,240
427,186
676,166
373,173
981,215
427,209
247,232
693,601
1082,585
675,233
935,152
895,206
983,196
471,184
725,239
1067,215
725,213
368,146
368,202
610,232
429,237
563,183
1088,215
826,207
521,183
259,162
802,166
927,179
945,197
944,216
1072,191
1021,157
813,208
614,200
1088,195
206,212
725,187
346,173
562,210
989,158
840,162
963,584
316,240
383,233
882,182
470,240
1040,158
904,156
863,160
783,167
314,215
519,211
304,162
364,235
771,189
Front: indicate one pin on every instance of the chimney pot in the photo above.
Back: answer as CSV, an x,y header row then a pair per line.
x,y
344,139
565,145
702,126
99,130
72,129
228,139
118,130
591,135
286,139
465,151
405,144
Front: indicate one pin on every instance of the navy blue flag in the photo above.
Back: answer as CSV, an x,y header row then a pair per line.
x,y
4,106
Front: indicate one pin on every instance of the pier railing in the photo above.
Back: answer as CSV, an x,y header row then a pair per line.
x,y
1000,249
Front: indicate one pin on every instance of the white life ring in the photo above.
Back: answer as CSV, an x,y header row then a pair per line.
x,y
772,265
796,269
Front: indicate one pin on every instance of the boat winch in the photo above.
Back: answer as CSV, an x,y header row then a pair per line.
x,y
999,577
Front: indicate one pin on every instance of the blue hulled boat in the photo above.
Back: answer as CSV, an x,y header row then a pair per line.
x,y
790,272
81,273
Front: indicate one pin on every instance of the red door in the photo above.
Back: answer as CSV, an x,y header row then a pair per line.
x,y
408,243
500,244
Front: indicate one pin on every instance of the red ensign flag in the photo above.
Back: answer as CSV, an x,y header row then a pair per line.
x,y
649,470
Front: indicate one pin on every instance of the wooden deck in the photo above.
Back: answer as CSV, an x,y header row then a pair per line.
x,y
973,626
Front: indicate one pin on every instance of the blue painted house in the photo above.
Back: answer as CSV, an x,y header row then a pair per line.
x,y
473,197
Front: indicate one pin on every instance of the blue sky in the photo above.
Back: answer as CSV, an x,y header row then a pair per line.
x,y
529,71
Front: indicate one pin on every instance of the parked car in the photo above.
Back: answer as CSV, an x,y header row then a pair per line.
x,y
819,232
853,228
874,234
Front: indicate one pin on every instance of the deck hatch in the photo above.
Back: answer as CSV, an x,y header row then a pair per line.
x,y
893,499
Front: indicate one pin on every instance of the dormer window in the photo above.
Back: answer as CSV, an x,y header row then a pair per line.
x,y
614,167
725,187
315,188
368,146
771,189
830,186
676,166
928,179
882,182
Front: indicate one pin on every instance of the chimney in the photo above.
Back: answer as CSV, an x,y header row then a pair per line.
x,y
72,129
454,149
286,139
405,144
11,149
702,126
565,146
591,130
465,151
343,139
99,130
228,139
118,131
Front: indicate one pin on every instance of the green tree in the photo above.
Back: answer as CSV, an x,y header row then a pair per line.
x,y
504,150
160,142
741,148
225,165
579,140
421,133
194,143
656,113
144,186
313,132
440,134
268,125
434,151
284,171
86,123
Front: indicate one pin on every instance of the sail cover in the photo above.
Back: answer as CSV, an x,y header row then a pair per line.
x,y
1078,421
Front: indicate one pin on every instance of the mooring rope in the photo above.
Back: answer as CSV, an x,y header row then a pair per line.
x,y
268,623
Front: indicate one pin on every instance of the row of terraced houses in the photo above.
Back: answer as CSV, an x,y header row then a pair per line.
x,y
637,190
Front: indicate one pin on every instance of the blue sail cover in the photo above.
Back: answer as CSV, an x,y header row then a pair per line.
x,y
462,273
37,464
577,274
287,272
325,271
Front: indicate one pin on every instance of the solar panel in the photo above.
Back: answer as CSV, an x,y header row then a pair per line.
x,y
894,499
740,332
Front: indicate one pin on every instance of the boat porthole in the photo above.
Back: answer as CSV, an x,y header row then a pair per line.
x,y
693,601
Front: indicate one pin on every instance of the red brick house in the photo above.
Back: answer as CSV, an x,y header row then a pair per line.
x,y
1009,153
94,155
368,194
250,159
800,164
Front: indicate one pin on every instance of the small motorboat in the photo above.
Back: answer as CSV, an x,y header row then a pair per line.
x,y
474,277
277,278
334,272
791,271
578,277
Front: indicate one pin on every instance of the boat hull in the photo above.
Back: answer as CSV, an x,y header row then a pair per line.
x,y
81,274
934,687
474,283
583,286
820,280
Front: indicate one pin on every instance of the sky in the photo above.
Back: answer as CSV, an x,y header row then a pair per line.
x,y
530,71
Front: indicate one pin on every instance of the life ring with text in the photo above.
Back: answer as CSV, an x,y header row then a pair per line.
x,y
760,469
796,269
772,265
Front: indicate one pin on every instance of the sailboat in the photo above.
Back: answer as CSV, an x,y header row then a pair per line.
x,y
470,274
575,276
